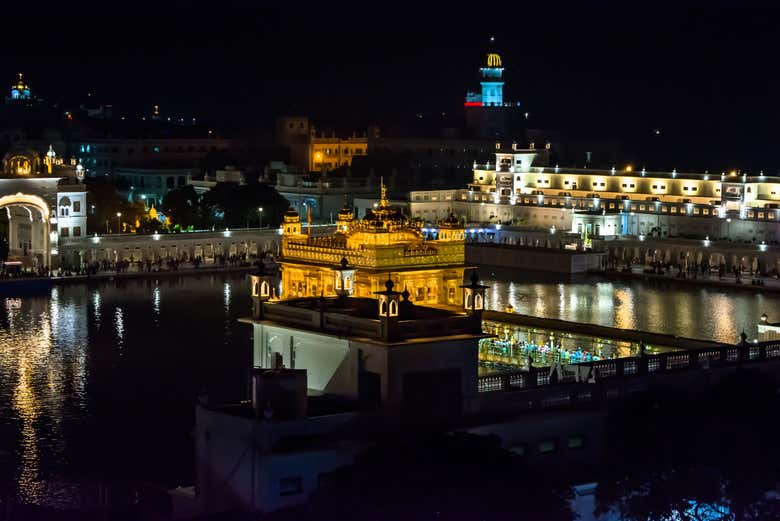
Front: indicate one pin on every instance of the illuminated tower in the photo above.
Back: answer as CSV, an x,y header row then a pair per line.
x,y
344,220
488,114
492,81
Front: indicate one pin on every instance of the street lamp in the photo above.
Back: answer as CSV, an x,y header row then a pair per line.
x,y
261,216
118,225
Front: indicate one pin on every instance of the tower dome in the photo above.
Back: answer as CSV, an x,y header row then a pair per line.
x,y
344,219
291,216
20,90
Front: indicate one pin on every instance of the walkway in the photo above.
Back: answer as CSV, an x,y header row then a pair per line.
x,y
712,279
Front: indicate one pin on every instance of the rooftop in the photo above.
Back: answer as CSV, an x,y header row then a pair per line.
x,y
359,318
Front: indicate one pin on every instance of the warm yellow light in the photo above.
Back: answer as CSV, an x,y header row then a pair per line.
x,y
493,60
733,173
629,168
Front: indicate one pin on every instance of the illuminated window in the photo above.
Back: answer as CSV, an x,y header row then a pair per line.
x,y
547,446
674,209
760,215
706,211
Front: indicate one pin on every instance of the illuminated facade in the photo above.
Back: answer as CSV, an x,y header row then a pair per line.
x,y
318,153
44,201
518,188
362,254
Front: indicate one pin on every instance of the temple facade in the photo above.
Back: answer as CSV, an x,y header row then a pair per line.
x,y
361,255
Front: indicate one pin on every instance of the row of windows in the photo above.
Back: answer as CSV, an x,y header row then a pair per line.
x,y
65,231
346,151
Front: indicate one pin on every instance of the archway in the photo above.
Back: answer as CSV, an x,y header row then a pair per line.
x,y
29,239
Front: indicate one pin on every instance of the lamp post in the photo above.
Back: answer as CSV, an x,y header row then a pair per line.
x,y
260,211
118,225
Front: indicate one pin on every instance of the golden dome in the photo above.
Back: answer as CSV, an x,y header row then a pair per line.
x,y
291,215
493,60
345,214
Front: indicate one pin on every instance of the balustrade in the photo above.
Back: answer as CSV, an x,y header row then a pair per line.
x,y
614,370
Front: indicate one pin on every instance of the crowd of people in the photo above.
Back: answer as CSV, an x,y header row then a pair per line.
x,y
15,270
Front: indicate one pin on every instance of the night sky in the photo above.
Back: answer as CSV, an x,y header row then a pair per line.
x,y
704,74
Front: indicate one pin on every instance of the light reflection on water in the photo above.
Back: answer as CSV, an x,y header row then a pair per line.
x,y
77,360
677,309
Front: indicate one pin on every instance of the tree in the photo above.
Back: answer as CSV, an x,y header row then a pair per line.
x,y
235,206
452,477
182,206
706,455
103,203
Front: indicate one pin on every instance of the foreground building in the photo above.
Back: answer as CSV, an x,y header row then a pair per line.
x,y
329,375
362,254
519,188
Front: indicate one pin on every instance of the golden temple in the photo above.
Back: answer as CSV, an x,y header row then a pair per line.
x,y
361,255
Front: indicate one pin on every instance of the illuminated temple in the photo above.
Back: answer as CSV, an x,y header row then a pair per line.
x,y
361,255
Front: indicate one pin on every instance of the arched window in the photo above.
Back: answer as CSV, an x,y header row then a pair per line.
x,y
264,289
256,292
468,301
348,282
382,308
393,308
478,301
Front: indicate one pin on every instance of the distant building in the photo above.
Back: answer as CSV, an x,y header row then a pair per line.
x,y
519,187
150,185
20,91
311,152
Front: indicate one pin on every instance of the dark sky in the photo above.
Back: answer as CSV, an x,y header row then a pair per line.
x,y
704,73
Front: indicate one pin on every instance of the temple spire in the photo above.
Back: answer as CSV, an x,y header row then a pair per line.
x,y
383,193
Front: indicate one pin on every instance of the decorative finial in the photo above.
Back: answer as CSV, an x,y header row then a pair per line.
x,y
405,294
474,278
389,283
344,263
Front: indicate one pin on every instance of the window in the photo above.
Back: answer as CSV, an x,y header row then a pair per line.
x,y
64,231
641,208
76,206
760,215
576,442
547,446
674,209
706,211
77,231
